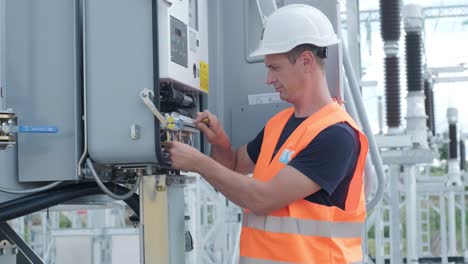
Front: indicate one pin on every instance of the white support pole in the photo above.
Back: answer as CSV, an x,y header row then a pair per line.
x,y
452,225
454,179
198,233
365,241
416,119
395,226
463,226
379,233
443,229
411,209
192,210
45,239
96,221
162,227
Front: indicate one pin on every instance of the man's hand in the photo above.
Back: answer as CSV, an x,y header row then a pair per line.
x,y
183,157
210,126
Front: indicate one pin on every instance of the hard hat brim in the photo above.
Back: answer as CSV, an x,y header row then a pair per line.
x,y
262,51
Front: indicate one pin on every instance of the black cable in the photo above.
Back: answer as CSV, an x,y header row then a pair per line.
x,y
56,190
156,84
40,201
38,195
200,109
60,191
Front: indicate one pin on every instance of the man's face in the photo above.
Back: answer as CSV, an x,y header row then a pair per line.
x,y
287,78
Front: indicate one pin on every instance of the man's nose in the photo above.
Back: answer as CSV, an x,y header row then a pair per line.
x,y
271,79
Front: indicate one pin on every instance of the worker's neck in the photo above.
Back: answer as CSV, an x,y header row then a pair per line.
x,y
315,96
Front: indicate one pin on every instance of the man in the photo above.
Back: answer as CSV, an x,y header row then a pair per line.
x,y
305,202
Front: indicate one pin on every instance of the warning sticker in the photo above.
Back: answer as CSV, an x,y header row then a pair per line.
x,y
204,76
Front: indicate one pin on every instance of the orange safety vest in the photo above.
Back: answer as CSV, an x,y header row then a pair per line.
x,y
305,232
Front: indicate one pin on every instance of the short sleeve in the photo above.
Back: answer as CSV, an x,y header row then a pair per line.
x,y
330,157
254,146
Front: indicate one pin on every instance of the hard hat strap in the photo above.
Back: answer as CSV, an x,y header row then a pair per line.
x,y
321,52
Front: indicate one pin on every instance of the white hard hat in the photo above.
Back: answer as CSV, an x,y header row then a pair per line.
x,y
293,25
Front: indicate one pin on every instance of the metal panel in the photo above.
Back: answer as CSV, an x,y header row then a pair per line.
x,y
179,42
119,64
9,175
232,78
2,55
354,35
8,172
74,250
42,80
177,62
125,248
248,120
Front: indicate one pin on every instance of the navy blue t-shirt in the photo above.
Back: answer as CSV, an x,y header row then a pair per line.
x,y
329,160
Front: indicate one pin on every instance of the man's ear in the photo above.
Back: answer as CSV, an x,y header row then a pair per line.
x,y
308,61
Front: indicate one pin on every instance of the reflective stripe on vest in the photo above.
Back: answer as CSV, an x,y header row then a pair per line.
x,y
305,232
245,260
304,227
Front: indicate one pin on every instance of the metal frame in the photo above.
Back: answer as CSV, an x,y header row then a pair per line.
x,y
430,195
215,224
26,254
432,12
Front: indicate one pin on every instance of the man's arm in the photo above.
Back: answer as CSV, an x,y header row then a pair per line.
x,y
221,149
287,186
235,159
322,165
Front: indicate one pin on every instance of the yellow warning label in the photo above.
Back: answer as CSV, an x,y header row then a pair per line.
x,y
204,76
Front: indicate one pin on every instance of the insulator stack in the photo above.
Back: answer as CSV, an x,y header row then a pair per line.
x,y
414,66
392,91
462,155
453,153
429,105
390,20
452,118
390,29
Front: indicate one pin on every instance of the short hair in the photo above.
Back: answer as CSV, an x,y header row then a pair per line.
x,y
294,54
